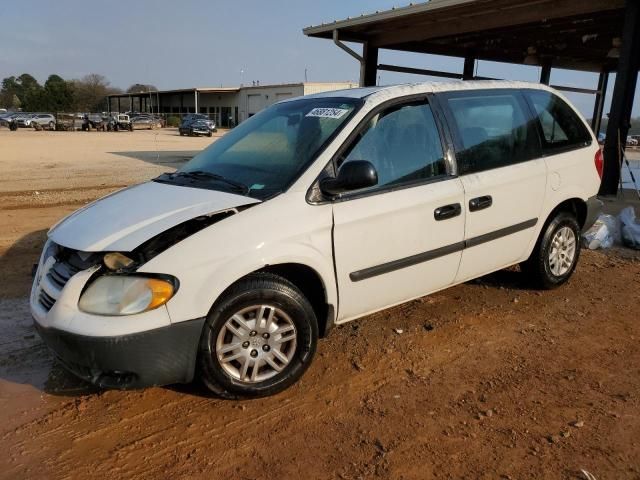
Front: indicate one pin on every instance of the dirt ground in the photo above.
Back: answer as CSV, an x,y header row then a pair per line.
x,y
485,380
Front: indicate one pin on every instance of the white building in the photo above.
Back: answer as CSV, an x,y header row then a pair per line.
x,y
226,105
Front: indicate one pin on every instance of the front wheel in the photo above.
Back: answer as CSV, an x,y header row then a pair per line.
x,y
258,339
556,253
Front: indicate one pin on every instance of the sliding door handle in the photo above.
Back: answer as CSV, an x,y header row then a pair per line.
x,y
480,203
447,211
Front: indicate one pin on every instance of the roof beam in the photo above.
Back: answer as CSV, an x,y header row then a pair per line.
x,y
494,18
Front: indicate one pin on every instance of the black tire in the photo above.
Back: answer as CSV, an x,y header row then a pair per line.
x,y
258,289
52,126
210,134
538,265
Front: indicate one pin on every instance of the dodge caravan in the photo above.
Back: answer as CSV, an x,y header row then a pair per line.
x,y
317,211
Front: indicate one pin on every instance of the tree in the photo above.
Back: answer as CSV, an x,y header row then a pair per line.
x,y
90,93
30,93
58,94
8,93
25,89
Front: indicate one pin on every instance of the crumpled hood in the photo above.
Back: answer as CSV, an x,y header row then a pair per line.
x,y
127,218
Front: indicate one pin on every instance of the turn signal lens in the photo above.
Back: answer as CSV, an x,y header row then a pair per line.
x,y
161,292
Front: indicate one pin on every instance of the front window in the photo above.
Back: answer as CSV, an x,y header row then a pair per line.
x,y
265,154
402,143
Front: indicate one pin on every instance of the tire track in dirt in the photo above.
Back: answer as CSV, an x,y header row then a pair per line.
x,y
53,197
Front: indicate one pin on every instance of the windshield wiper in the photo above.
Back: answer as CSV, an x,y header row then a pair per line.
x,y
201,174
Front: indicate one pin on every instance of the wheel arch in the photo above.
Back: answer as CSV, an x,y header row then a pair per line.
x,y
574,205
310,283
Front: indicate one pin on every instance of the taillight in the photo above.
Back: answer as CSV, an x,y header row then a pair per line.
x,y
599,161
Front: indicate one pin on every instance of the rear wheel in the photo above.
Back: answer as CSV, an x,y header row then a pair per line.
x,y
556,253
258,339
52,126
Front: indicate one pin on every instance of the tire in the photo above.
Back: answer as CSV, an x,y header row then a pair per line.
x,y
264,296
210,134
546,269
52,126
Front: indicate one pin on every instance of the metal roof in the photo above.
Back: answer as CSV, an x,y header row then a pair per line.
x,y
575,34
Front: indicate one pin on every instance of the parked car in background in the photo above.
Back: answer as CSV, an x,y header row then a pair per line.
x,y
601,138
185,125
44,120
316,211
24,120
145,122
632,142
200,127
119,121
95,121
6,117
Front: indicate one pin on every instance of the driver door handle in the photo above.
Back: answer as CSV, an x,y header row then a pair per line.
x,y
480,203
447,211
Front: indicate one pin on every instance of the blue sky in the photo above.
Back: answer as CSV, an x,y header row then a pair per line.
x,y
174,44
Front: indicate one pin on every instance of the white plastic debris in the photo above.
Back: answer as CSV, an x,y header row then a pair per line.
x,y
630,226
602,233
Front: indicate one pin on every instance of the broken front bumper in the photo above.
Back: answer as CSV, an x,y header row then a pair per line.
x,y
156,357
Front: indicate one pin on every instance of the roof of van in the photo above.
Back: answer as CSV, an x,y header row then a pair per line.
x,y
378,93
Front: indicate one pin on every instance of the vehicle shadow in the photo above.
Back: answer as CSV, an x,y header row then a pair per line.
x,y
511,279
173,159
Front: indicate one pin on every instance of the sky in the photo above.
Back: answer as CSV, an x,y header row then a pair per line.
x,y
188,43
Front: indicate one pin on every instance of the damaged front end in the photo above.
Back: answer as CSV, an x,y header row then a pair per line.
x,y
105,320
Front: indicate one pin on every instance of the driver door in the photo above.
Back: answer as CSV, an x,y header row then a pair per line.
x,y
402,238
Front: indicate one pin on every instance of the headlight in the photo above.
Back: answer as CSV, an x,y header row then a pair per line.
x,y
125,295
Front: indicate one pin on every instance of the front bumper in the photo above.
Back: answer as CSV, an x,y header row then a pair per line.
x,y
594,209
156,357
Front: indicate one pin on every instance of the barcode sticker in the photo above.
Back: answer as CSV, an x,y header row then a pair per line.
x,y
327,112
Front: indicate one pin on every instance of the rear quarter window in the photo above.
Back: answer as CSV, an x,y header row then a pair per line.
x,y
560,127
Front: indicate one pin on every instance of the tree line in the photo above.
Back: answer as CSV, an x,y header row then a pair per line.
x,y
86,94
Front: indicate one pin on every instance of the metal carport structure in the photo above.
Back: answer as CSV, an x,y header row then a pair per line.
x,y
601,36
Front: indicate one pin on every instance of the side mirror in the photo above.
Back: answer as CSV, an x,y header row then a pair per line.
x,y
352,175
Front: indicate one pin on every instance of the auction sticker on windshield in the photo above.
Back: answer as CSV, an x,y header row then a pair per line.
x,y
327,112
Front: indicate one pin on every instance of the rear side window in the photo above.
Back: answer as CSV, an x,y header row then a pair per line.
x,y
560,126
493,130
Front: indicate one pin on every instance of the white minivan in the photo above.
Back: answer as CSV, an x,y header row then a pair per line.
x,y
317,211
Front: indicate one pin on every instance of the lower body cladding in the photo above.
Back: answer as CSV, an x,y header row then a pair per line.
x,y
155,357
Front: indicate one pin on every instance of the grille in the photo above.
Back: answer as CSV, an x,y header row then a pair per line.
x,y
58,268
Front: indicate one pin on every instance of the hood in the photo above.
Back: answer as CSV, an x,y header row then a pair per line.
x,y
127,218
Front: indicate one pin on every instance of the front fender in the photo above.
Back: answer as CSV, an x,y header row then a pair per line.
x,y
210,261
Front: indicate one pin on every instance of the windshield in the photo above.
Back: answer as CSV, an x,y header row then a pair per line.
x,y
267,152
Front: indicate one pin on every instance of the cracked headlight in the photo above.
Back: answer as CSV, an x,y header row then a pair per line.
x,y
126,294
